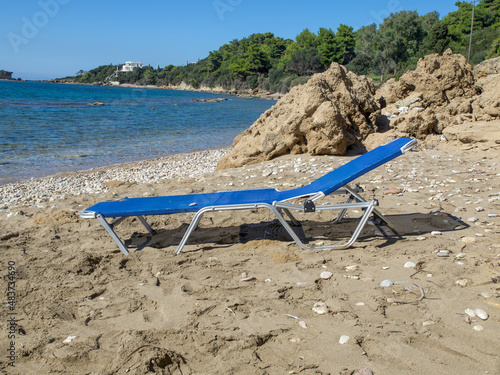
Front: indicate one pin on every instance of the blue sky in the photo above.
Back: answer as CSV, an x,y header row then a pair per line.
x,y
43,39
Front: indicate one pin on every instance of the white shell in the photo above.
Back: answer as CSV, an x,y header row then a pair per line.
x,y
351,268
470,312
343,339
409,265
326,275
462,282
320,308
302,324
486,294
478,327
481,314
386,283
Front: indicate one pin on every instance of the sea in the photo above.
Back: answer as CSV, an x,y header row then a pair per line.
x,y
47,128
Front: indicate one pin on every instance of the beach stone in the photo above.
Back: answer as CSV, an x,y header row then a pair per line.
x,y
386,283
392,190
344,339
364,371
468,239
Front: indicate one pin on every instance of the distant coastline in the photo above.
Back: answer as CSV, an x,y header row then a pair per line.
x,y
250,94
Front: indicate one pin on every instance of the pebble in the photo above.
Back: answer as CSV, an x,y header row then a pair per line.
x,y
443,253
344,339
386,283
38,191
486,295
460,255
364,371
468,239
69,339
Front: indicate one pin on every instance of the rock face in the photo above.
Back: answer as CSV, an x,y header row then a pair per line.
x,y
332,111
425,100
487,67
338,109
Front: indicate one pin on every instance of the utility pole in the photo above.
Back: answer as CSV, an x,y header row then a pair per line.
x,y
471,27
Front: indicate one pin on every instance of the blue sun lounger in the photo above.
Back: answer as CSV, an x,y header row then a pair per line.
x,y
334,182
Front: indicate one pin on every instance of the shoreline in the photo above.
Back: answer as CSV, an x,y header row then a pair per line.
x,y
36,191
182,87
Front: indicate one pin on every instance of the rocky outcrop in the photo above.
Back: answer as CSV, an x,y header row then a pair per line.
x,y
427,99
332,111
487,67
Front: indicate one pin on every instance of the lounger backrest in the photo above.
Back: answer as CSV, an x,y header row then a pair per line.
x,y
357,167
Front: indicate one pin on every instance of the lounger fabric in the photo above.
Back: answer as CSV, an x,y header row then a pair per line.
x,y
194,202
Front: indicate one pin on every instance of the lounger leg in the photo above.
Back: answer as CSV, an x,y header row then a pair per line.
x,y
109,229
191,228
359,198
369,209
146,225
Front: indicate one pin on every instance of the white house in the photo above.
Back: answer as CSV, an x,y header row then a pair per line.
x,y
130,66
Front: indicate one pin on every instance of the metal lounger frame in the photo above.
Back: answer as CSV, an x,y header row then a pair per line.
x,y
354,201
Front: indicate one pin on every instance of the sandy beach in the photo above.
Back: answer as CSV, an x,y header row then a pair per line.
x,y
240,298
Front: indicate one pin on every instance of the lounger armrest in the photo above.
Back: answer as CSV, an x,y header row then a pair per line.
x,y
87,214
409,146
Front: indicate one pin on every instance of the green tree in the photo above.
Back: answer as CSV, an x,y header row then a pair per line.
x,y
305,62
329,46
347,41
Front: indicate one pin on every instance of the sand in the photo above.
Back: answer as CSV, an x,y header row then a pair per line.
x,y
239,299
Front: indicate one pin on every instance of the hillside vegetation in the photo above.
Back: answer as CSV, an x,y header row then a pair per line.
x,y
271,63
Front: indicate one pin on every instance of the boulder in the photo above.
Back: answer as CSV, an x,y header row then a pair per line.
x,y
487,67
334,110
425,100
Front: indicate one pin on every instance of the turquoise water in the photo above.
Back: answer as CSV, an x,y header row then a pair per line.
x,y
47,128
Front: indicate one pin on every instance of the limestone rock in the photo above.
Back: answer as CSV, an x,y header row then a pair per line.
x,y
332,111
487,67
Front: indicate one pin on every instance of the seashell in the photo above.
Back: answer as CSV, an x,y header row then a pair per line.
x,y
460,255
481,314
470,312
443,253
326,275
486,295
320,308
462,282
386,283
386,267
360,304
436,233
428,323
295,340
343,339
245,279
478,328
351,268
302,324
409,265
69,339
